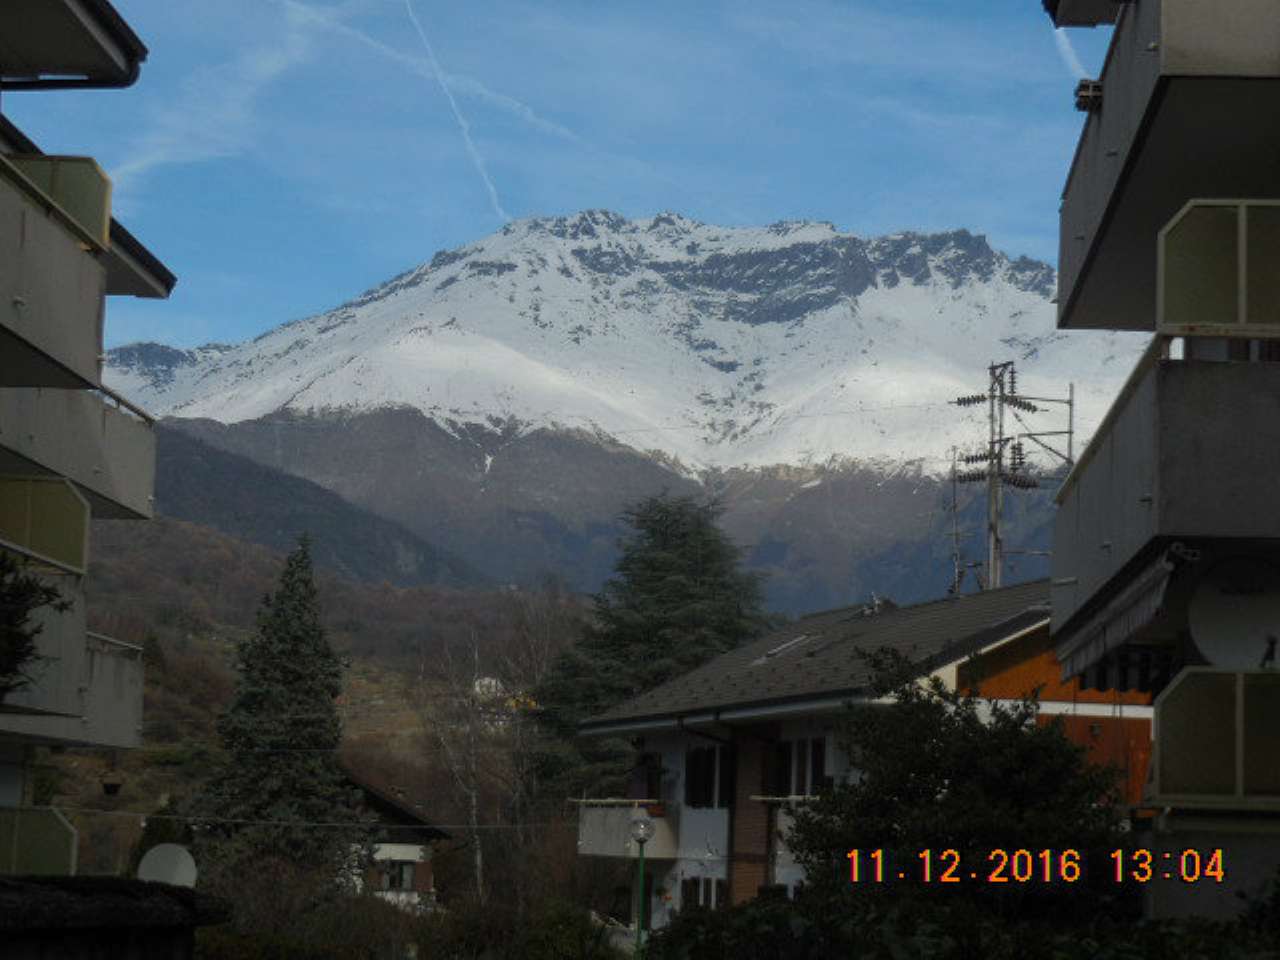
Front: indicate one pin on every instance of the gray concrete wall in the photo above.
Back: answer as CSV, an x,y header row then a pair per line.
x,y
1231,38
1104,517
1250,856
1219,449
108,453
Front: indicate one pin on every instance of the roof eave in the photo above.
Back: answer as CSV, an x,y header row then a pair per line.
x,y
131,267
1030,618
132,50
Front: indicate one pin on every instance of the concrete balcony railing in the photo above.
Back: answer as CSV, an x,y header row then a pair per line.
x,y
1190,107
36,841
605,831
98,441
52,284
1185,454
86,688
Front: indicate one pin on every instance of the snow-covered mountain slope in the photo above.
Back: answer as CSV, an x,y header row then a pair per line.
x,y
716,346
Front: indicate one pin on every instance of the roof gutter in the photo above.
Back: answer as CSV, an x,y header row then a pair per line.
x,y
832,703
77,83
115,26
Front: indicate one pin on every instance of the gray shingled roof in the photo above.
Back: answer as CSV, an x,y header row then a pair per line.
x,y
825,658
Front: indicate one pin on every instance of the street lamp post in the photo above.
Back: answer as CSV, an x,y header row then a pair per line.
x,y
641,833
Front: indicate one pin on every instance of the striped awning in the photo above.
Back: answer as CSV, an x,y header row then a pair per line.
x,y
1115,623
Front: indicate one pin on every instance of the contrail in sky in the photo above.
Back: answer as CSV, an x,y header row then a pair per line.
x,y
457,114
1067,51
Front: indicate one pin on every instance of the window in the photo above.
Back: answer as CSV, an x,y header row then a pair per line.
x,y
397,874
646,778
706,893
709,777
799,767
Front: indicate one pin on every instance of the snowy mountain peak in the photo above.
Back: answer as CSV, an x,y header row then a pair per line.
x,y
717,346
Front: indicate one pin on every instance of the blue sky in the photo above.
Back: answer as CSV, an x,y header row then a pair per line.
x,y
283,155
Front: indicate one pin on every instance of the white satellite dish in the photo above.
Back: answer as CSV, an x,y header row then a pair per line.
x,y
1234,615
168,863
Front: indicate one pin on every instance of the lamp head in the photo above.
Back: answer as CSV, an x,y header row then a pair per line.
x,y
641,828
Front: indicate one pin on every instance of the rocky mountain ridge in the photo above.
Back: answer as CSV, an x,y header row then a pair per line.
x,y
712,347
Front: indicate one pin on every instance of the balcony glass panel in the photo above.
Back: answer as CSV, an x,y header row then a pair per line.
x,y
1201,264
1264,264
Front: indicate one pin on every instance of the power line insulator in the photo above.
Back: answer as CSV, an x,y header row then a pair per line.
x,y
1026,406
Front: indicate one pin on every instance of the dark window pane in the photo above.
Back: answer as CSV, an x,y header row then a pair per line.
x,y
728,776
798,781
817,764
699,776
645,778
688,893
781,785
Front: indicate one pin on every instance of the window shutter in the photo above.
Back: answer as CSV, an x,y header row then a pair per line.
x,y
728,776
781,780
688,893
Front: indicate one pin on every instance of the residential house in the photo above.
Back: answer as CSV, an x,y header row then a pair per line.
x,y
70,448
724,751
403,845
1166,556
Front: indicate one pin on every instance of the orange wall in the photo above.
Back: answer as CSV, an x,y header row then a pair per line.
x,y
1015,669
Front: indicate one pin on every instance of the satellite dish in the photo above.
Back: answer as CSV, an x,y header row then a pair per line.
x,y
1234,614
168,863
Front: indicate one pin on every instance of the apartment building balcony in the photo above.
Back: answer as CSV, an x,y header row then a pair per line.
x,y
604,830
96,439
54,281
1189,107
1178,478
1179,475
86,688
36,842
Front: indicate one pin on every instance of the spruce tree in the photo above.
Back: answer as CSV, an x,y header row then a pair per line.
x,y
678,599
281,732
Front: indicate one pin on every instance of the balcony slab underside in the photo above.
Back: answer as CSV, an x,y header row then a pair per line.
x,y
107,453
1191,109
1162,470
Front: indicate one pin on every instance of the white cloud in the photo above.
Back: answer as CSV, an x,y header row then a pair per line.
x,y
213,114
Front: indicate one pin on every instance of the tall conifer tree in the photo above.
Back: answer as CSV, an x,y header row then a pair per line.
x,y
678,599
281,732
